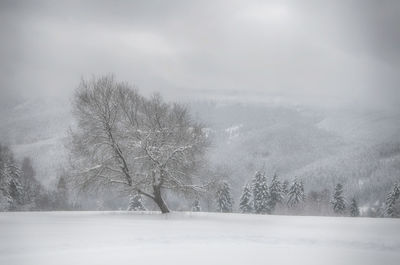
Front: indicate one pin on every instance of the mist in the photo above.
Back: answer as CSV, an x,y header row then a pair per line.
x,y
337,55
196,132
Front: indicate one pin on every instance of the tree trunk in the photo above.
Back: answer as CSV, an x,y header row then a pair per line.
x,y
159,200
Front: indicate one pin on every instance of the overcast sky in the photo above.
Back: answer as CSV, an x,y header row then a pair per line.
x,y
324,53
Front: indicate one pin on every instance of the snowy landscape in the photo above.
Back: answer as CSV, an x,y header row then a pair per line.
x,y
195,238
199,132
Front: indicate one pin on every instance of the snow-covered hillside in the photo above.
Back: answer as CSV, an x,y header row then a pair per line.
x,y
194,238
38,129
322,148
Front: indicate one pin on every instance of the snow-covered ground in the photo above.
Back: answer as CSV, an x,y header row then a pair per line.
x,y
115,238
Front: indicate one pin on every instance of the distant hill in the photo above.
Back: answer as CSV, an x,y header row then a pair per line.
x,y
362,150
38,128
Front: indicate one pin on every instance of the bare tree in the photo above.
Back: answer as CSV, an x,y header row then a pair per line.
x,y
126,141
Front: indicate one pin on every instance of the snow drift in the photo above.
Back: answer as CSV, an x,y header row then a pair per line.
x,y
194,238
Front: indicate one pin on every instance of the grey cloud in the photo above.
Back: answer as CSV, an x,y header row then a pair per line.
x,y
340,53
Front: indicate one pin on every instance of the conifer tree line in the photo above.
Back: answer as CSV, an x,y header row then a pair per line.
x,y
17,185
261,195
20,191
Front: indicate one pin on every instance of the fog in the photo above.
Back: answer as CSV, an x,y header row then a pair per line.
x,y
140,129
342,54
305,89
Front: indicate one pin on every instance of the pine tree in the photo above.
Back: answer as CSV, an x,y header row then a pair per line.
x,y
260,194
135,203
296,194
11,190
61,198
338,202
30,185
390,202
275,193
354,210
246,205
14,195
302,190
15,191
196,206
224,198
285,187
18,187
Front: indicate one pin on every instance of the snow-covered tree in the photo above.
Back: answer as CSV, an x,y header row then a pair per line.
x,y
224,198
338,201
246,203
31,186
285,187
196,206
260,194
392,197
296,193
354,210
15,194
11,190
276,194
61,196
126,142
135,203
302,189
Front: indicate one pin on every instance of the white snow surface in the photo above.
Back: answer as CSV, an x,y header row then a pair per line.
x,y
115,238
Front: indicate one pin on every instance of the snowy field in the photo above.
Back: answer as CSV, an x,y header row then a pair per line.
x,y
114,238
